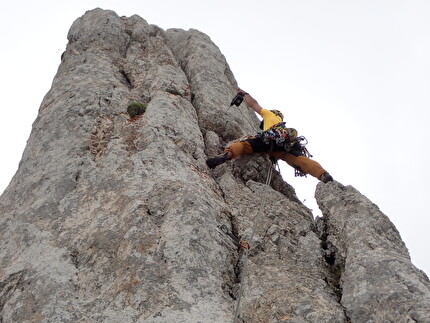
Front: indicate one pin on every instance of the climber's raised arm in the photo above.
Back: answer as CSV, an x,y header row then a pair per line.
x,y
250,101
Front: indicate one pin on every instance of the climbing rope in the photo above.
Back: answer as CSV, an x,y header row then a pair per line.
x,y
245,245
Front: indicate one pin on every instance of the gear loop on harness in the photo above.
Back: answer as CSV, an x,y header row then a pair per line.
x,y
279,134
302,141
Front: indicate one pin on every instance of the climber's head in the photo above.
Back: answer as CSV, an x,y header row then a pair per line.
x,y
278,113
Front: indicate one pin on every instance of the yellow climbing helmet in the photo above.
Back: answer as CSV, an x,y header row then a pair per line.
x,y
278,113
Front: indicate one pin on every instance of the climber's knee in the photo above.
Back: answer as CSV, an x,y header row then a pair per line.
x,y
238,148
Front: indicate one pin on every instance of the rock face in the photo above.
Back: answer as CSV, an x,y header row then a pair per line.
x,y
118,219
378,281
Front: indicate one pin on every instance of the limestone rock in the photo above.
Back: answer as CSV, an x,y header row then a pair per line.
x,y
118,219
377,280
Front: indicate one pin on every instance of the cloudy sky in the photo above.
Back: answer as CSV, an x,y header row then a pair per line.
x,y
352,76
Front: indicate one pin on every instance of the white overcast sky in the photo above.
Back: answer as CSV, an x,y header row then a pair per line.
x,y
352,76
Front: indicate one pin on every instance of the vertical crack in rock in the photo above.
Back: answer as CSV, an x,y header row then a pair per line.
x,y
202,62
126,79
8,287
334,260
377,269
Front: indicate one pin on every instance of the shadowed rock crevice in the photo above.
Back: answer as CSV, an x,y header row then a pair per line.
x,y
125,79
377,265
9,286
335,263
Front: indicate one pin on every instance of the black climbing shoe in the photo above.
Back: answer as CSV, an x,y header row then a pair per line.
x,y
326,177
217,160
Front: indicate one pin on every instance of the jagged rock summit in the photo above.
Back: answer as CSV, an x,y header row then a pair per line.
x,y
117,219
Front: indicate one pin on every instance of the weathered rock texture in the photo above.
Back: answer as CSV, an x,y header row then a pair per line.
x,y
112,219
378,281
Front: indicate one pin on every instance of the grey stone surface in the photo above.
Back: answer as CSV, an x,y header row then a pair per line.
x,y
377,279
113,219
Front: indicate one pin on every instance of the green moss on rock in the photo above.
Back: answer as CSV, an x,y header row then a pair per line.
x,y
136,108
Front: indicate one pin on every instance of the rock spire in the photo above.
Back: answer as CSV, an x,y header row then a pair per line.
x,y
117,219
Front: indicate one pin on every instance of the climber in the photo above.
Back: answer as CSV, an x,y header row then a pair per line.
x,y
276,140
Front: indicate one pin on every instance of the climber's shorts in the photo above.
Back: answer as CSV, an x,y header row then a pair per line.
x,y
258,146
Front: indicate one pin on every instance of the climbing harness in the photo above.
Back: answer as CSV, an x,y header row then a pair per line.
x,y
280,135
245,244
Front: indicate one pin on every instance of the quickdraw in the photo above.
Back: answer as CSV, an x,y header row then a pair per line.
x,y
303,142
245,244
